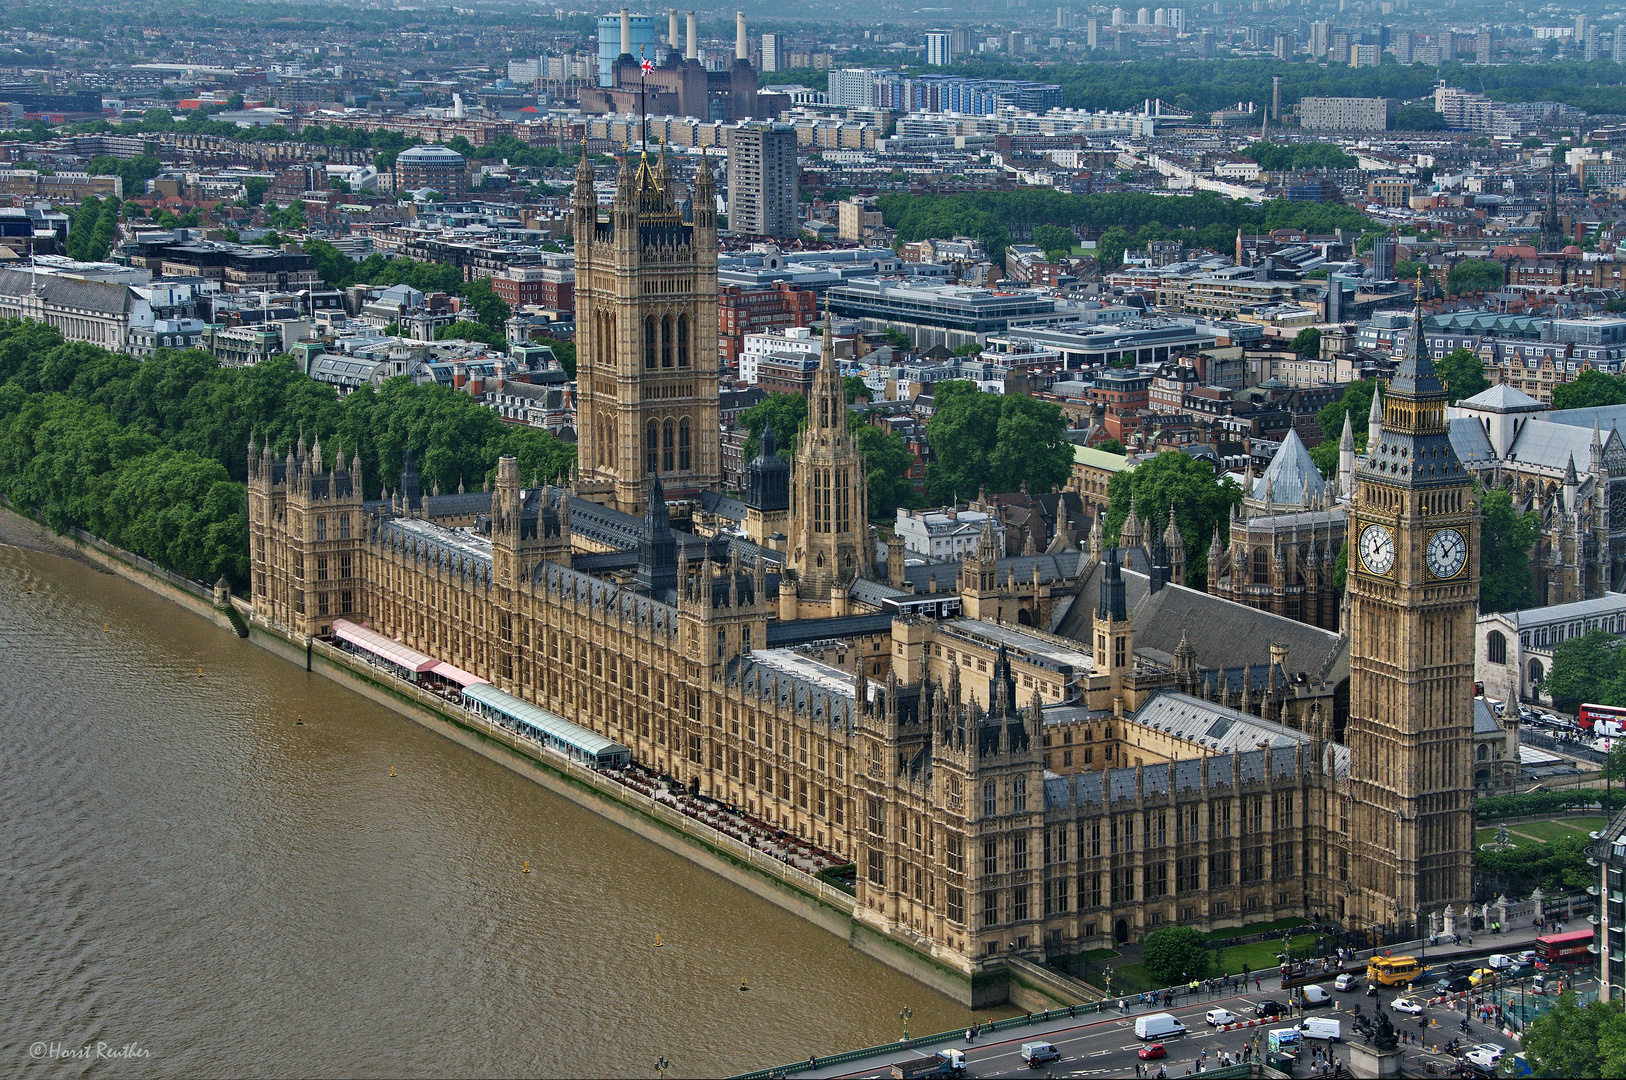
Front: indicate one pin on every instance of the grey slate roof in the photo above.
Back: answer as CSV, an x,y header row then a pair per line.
x,y
1224,634
1290,471
1213,726
1470,442
1546,444
801,631
101,297
1502,398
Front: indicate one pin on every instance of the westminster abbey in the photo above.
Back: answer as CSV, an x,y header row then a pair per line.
x,y
1032,755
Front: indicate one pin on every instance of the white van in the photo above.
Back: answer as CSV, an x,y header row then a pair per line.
x,y
1158,1026
1322,1027
1316,995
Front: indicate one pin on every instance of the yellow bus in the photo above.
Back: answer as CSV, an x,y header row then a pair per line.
x,y
1393,970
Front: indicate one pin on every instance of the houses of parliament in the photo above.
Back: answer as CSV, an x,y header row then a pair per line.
x,y
1031,755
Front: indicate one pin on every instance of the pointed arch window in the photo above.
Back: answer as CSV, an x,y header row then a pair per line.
x,y
666,342
683,341
683,445
651,438
666,447
649,342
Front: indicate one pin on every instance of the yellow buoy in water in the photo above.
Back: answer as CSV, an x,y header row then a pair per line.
x,y
200,672
657,941
105,627
392,770
743,987
525,869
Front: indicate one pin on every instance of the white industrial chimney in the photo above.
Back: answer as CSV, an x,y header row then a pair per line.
x,y
742,50
671,29
693,52
626,33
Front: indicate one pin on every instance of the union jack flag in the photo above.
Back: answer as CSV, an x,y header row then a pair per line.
x,y
648,65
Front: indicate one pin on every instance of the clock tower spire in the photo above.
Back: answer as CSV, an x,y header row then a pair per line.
x,y
1413,592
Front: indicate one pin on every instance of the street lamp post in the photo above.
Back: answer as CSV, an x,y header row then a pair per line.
x,y
661,1065
905,1016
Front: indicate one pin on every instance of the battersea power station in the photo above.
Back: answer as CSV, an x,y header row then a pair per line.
x,y
1024,756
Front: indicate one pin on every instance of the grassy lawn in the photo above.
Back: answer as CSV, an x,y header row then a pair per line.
x,y
1101,954
1259,956
1132,979
1543,831
1256,928
1558,828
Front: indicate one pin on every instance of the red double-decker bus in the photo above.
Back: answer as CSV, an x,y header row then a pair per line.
x,y
1566,948
1588,716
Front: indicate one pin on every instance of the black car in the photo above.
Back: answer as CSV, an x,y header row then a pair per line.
x,y
1269,1008
1454,984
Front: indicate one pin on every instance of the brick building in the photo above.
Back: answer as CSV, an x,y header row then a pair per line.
x,y
742,311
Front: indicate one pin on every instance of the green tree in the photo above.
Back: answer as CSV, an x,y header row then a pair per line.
x,y
1572,1039
472,331
1356,400
1587,390
1056,241
1475,275
1202,503
290,218
887,461
1463,373
1176,955
1408,269
563,351
997,441
1590,668
853,388
492,309
1112,446
1307,342
254,189
1505,540
785,413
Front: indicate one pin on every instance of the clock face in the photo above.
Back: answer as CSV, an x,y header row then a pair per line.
x,y
1447,553
1377,549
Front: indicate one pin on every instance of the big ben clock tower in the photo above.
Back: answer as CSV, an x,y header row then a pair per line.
x,y
1413,592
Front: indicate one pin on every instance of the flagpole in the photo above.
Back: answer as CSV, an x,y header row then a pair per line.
x,y
643,111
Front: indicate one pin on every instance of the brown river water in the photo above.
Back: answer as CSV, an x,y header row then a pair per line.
x,y
189,869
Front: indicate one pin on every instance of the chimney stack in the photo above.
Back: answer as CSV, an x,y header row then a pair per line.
x,y
694,38
742,49
626,32
671,29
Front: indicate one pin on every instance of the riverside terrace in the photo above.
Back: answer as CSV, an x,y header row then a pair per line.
x,y
548,733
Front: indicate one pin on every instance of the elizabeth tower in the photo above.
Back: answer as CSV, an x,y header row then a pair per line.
x,y
646,337
1413,591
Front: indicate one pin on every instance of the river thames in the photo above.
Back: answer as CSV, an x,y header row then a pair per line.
x,y
207,858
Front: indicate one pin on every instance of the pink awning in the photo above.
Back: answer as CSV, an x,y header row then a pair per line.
x,y
382,647
456,674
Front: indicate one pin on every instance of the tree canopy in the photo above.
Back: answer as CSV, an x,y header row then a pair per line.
x,y
994,441
785,413
887,461
1202,502
1475,275
1589,390
1462,372
1590,668
1307,342
1177,955
1127,218
1505,539
151,455
1273,157
1572,1039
